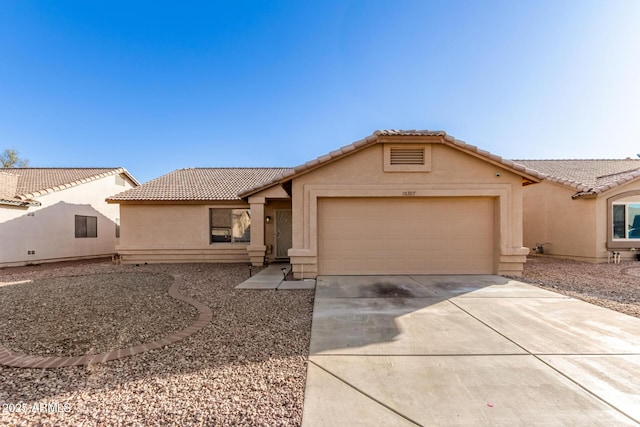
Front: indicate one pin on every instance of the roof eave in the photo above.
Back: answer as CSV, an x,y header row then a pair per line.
x,y
603,189
585,195
172,201
20,203
53,189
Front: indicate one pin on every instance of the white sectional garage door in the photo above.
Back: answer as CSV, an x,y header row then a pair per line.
x,y
406,235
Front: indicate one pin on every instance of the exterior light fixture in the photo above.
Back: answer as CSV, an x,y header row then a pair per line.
x,y
267,220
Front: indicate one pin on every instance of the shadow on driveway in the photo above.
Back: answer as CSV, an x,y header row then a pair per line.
x,y
466,350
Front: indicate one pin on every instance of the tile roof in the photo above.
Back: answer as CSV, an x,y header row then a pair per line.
x,y
375,137
587,176
200,184
33,182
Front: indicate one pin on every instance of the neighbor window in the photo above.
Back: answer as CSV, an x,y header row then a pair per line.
x,y
626,221
86,226
230,225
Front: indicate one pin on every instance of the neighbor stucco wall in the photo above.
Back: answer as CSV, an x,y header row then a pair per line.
x,y
565,227
49,229
156,233
453,173
572,228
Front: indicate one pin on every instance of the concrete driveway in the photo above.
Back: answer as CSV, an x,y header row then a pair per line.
x,y
466,350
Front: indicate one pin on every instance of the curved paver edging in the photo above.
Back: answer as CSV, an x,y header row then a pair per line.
x,y
631,271
21,360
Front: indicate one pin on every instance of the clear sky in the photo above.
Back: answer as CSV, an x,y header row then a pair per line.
x,y
155,86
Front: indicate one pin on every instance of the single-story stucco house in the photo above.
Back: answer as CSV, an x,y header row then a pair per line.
x,y
55,214
584,209
395,202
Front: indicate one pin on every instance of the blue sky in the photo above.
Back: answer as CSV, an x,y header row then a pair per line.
x,y
157,86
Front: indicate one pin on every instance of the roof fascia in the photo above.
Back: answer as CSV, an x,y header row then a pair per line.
x,y
23,205
130,177
177,202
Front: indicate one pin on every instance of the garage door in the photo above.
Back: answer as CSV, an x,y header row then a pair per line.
x,y
406,236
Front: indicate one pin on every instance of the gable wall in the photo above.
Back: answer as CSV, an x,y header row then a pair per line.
x,y
49,229
453,173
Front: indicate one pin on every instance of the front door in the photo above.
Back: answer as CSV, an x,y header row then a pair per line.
x,y
283,233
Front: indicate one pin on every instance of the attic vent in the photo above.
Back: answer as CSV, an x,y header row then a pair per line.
x,y
407,156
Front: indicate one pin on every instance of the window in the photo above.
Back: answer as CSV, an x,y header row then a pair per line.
x,y
86,226
230,225
626,221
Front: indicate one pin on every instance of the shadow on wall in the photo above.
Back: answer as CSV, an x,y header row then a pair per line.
x,y
50,233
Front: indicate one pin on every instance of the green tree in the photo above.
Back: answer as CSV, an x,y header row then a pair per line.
x,y
9,159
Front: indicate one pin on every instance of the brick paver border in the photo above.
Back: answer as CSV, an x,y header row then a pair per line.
x,y
21,360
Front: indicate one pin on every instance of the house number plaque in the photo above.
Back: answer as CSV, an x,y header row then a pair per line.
x,y
409,193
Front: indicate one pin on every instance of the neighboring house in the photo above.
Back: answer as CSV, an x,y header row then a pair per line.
x,y
54,214
396,202
584,209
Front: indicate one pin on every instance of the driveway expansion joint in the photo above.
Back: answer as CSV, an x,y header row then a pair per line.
x,y
368,396
16,359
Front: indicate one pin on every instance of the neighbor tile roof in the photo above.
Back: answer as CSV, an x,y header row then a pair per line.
x,y
33,182
373,139
589,176
200,184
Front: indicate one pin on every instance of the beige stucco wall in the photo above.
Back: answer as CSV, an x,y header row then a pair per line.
x,y
156,233
453,174
49,229
570,228
564,226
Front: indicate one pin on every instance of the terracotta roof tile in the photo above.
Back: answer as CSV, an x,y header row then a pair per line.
x,y
588,176
413,132
373,139
32,182
200,184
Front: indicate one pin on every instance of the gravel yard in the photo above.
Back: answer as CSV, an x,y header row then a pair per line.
x,y
247,367
614,286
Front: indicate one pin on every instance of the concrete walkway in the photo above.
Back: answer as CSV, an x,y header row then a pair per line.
x,y
466,350
272,278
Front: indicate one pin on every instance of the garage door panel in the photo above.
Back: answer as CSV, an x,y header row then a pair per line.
x,y
400,236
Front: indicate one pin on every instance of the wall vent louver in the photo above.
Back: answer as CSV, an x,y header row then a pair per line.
x,y
406,156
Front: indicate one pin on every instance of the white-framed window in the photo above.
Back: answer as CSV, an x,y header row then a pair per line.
x,y
229,225
86,226
626,221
